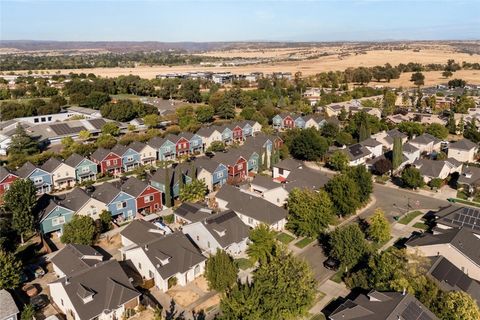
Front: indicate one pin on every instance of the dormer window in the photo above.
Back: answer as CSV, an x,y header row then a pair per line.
x,y
86,294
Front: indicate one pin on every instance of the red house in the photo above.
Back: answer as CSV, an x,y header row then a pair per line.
x,y
237,133
6,179
182,146
108,161
148,199
288,122
236,164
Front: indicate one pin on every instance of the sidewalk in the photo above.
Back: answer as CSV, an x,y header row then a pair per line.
x,y
402,230
332,290
443,194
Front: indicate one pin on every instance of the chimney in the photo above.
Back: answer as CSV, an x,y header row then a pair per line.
x,y
404,291
146,247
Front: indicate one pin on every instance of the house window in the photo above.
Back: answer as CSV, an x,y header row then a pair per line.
x,y
139,266
280,171
148,199
85,169
208,244
129,158
61,301
198,238
150,273
240,166
37,180
167,149
250,220
58,221
220,174
108,162
194,143
115,161
121,205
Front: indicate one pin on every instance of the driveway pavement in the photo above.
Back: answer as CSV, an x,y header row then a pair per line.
x,y
314,256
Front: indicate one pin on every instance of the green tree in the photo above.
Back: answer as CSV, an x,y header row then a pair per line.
x,y
435,183
151,120
205,114
309,212
378,227
344,138
411,128
262,243
412,178
363,179
85,135
447,74
389,99
95,100
111,128
28,312
438,130
363,133
80,230
106,220
458,305
190,90
338,161
194,191
216,146
221,271
451,125
382,166
225,110
348,245
168,187
20,199
22,145
397,153
344,194
10,271
106,141
418,78
308,145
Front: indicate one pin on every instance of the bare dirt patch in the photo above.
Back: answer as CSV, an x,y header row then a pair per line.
x,y
183,297
213,301
201,283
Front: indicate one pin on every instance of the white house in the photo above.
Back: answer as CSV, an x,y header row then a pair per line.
x,y
209,135
282,169
463,150
437,169
269,190
63,175
426,143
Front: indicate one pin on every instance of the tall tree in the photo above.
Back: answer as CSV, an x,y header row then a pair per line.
x,y
363,179
412,178
308,145
20,199
10,271
168,187
438,130
344,194
80,230
348,245
397,155
458,305
379,228
338,161
221,272
363,133
194,191
21,146
262,243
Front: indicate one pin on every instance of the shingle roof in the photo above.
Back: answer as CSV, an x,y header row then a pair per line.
x,y
75,199
51,164
289,164
76,257
107,281
100,154
140,232
134,186
119,149
396,133
463,144
137,146
208,164
265,182
192,212
156,142
370,142
207,131
382,306
306,178
251,206
462,239
26,169
9,307
410,148
227,228
74,160
429,168
426,138
228,158
4,172
105,192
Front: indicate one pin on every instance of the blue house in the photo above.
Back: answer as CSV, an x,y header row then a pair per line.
x,y
227,134
277,121
252,160
166,147
130,158
85,169
53,215
247,129
299,122
121,205
213,173
41,178
196,142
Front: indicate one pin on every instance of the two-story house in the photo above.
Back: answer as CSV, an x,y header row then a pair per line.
x,y
211,172
41,178
85,169
148,198
6,179
148,154
109,162
236,163
130,157
120,204
63,175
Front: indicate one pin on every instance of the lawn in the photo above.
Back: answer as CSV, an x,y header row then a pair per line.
x,y
475,204
285,238
409,217
420,225
462,195
243,263
304,242
124,96
337,277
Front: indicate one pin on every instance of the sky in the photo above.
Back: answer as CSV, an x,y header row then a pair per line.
x,y
230,20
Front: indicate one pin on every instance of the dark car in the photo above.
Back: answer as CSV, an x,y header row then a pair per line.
x,y
210,154
39,302
331,264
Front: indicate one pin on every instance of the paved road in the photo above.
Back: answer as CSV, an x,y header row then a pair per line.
x,y
315,258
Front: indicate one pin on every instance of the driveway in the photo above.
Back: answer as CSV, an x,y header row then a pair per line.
x,y
315,258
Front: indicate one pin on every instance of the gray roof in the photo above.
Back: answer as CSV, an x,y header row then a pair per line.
x,y
229,158
383,306
463,144
26,169
426,138
356,151
462,239
192,212
396,133
289,164
175,173
134,186
227,228
9,307
137,146
76,257
106,281
177,249
51,164
98,123
470,175
100,154
74,200
119,149
370,143
251,206
207,131
451,278
140,231
105,192
432,168
208,164
306,178
408,147
74,160
265,182
460,217
156,142
4,172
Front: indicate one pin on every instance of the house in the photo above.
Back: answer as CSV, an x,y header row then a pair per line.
x,y
41,178
463,150
252,210
357,154
227,134
161,258
101,292
182,144
375,147
237,132
6,180
460,246
282,169
181,174
285,121
74,258
469,179
250,128
263,143
426,143
270,190
378,305
148,198
189,212
458,217
236,164
304,177
148,154
410,153
85,169
165,149
63,175
82,204
130,157
223,231
252,157
312,121
9,309
120,204
52,215
209,135
437,169
109,162
450,278
211,172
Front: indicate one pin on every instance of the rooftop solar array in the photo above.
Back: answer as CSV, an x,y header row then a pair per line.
x,y
97,123
356,150
414,312
465,217
64,129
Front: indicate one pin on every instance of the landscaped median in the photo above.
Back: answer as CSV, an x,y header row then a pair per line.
x,y
304,242
406,219
285,238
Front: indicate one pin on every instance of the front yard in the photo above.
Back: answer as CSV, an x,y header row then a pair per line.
x,y
406,219
285,238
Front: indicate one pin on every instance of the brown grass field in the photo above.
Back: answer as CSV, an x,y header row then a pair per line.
x,y
434,54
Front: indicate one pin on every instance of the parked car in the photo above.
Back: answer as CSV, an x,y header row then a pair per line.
x,y
39,302
210,154
331,264
36,271
163,227
30,290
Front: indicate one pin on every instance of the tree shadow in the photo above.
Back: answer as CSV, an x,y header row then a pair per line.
x,y
171,313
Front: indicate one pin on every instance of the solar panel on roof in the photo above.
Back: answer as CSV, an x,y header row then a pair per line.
x,y
224,217
412,311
